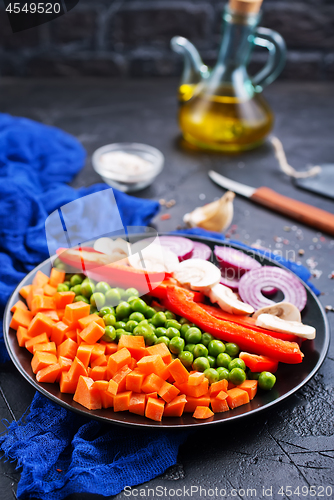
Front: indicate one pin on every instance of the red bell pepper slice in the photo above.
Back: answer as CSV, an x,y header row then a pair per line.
x,y
181,302
258,363
160,292
97,265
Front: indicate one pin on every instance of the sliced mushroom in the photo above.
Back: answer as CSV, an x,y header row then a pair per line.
x,y
118,249
282,310
274,323
228,301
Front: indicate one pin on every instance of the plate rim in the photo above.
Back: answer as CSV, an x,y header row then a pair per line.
x,y
161,425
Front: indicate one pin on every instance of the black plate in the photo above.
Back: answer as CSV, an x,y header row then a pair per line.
x,y
290,378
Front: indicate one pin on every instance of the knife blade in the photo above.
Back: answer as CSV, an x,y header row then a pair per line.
x,y
297,210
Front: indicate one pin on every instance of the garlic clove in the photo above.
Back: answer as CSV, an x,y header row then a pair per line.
x,y
216,216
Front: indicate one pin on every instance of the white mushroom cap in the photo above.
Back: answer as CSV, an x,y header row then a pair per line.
x,y
283,310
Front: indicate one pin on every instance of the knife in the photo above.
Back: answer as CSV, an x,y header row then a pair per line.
x,y
302,212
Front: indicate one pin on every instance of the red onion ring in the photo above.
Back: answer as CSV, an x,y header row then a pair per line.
x,y
252,282
182,247
228,257
201,251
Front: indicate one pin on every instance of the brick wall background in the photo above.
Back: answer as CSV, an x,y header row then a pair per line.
x,y
131,38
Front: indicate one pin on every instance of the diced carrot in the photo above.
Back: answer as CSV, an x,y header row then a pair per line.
x,y
67,349
21,317
101,385
84,352
24,291
64,363
230,385
154,409
175,407
40,279
41,303
98,373
52,314
76,311
195,378
72,334
22,336
49,290
69,380
58,334
152,383
151,395
179,373
202,412
122,401
152,364
66,385
84,322
48,374
117,361
161,349
33,292
56,277
39,339
216,387
100,361
219,404
194,390
111,348
92,333
135,345
221,395
133,364
168,392
134,381
107,399
237,397
19,305
62,299
40,324
250,386
192,403
86,395
118,383
60,313
97,351
42,359
137,403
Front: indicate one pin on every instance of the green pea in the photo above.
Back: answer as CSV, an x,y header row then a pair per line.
x,y
184,328
267,380
193,335
237,376
102,287
120,332
172,332
212,361
131,292
93,310
237,363
190,348
232,349
176,345
216,347
139,305
142,330
76,280
163,340
254,375
109,320
186,358
131,325
81,298
67,283
161,332
159,319
97,300
212,375
200,350
123,310
120,324
223,359
113,297
201,364
207,338
76,289
150,312
172,323
223,373
63,288
87,288
145,322
137,316
150,338
59,264
106,310
109,334
183,321
121,292
170,315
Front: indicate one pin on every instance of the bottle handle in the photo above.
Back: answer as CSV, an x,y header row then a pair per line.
x,y
274,43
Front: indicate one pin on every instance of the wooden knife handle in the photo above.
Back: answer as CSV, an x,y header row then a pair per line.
x,y
307,214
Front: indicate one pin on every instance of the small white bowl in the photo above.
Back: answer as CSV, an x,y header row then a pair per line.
x,y
117,177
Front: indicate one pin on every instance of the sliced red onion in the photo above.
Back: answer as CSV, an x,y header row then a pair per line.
x,y
201,251
230,278
182,247
228,257
252,282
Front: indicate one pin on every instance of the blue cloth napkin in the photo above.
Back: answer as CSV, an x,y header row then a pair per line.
x,y
61,453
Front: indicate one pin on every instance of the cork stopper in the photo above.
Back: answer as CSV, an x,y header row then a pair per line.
x,y
245,6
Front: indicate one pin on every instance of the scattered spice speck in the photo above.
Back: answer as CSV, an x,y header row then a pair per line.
x,y
331,275
202,196
329,308
162,201
165,216
316,273
170,203
286,242
59,470
301,251
287,228
314,240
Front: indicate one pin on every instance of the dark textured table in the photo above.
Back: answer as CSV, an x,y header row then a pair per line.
x,y
292,444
